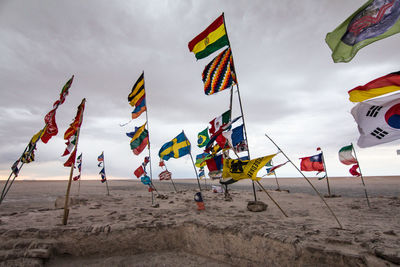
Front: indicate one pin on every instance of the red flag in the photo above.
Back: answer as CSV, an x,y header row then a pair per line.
x,y
77,122
71,159
139,171
161,164
51,126
313,163
165,175
353,170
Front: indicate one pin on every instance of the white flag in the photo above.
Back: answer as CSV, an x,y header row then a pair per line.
x,y
378,120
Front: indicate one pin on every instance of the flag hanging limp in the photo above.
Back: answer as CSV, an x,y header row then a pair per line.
x,y
380,86
378,120
210,40
244,169
219,74
373,21
176,148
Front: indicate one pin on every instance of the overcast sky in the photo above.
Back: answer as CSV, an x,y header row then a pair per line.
x,y
289,86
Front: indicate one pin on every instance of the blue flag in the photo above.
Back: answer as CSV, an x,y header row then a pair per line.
x,y
176,148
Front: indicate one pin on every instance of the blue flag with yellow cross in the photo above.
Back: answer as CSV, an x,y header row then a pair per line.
x,y
176,148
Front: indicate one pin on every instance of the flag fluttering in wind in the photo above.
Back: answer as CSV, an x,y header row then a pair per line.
x,y
353,170
313,163
220,121
373,21
79,163
176,148
139,171
201,159
139,139
219,74
203,138
51,129
71,134
378,120
210,40
103,175
237,169
380,86
235,136
346,155
165,175
137,97
271,170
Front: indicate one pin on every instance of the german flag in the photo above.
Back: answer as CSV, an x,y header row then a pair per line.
x,y
219,74
137,91
210,40
380,86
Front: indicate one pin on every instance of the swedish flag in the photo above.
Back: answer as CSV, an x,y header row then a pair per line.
x,y
176,148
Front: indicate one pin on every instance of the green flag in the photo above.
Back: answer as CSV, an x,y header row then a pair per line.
x,y
203,138
371,22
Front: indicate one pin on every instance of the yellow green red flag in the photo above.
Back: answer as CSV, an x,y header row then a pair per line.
x,y
210,40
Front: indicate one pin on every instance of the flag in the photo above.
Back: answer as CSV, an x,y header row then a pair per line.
x,y
353,170
146,180
176,148
313,163
77,122
51,129
215,163
380,86
140,138
139,171
219,74
378,120
235,136
220,121
198,198
373,21
165,175
203,138
70,145
103,175
241,147
139,108
14,168
202,174
346,155
201,159
79,163
137,92
210,40
71,160
244,169
273,168
101,157
161,163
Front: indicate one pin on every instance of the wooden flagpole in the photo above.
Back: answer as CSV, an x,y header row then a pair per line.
x,y
194,166
362,179
148,146
104,167
320,196
241,107
326,173
66,209
262,187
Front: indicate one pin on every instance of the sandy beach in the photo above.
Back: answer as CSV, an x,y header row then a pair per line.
x,y
125,229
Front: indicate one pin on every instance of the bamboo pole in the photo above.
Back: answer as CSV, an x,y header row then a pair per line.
x,y
326,173
320,196
241,108
66,209
362,179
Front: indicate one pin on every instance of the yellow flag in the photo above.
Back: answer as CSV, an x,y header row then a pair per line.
x,y
244,169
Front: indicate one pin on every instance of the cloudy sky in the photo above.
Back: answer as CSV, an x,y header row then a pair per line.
x,y
289,86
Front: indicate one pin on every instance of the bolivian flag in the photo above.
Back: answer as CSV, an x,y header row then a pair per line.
x,y
380,86
210,40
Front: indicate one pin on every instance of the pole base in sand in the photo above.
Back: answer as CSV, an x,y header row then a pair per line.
x,y
256,206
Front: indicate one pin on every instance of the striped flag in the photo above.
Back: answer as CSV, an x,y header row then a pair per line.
x,y
165,175
219,74
137,91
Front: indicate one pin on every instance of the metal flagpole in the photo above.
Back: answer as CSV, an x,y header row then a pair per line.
x,y
194,166
340,225
171,178
241,107
362,179
148,146
66,210
326,173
